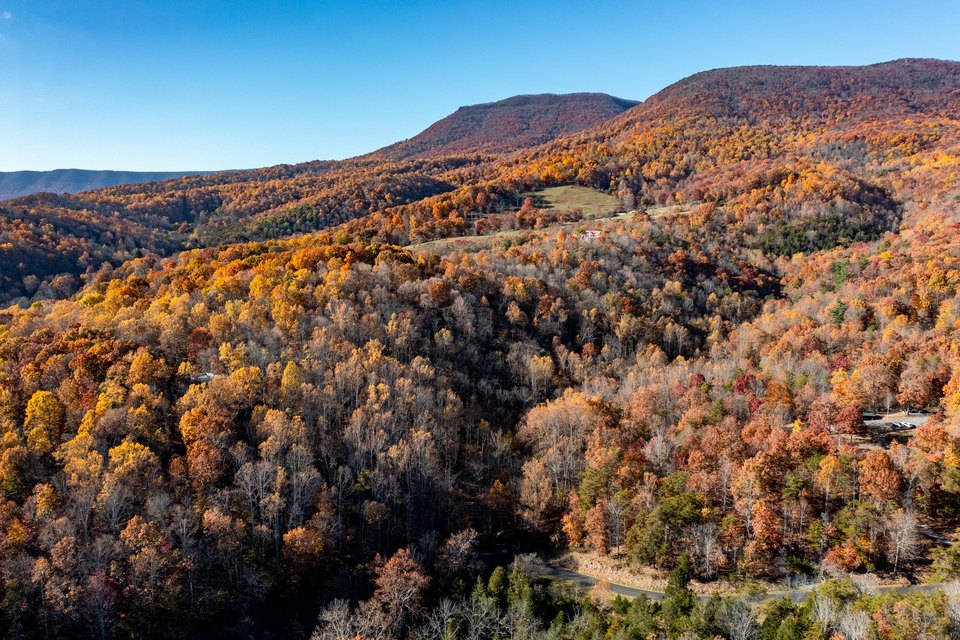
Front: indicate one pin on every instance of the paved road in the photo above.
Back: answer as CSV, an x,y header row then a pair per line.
x,y
797,595
899,421
585,581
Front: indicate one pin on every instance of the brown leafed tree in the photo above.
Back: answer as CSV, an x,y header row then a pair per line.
x,y
398,599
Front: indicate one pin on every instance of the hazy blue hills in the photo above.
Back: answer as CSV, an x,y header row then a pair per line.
x,y
20,183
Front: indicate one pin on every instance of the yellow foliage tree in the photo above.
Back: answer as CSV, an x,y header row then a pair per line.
x,y
44,422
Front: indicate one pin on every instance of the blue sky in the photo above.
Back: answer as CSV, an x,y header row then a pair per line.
x,y
215,84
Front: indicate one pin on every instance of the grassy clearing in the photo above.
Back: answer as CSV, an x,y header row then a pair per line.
x,y
670,209
478,243
572,196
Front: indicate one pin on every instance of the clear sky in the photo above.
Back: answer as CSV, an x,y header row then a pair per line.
x,y
219,84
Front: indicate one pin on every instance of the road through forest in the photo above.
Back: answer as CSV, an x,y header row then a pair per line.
x,y
565,574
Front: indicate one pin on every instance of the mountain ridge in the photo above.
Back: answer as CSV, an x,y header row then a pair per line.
x,y
14,184
681,143
532,119
505,125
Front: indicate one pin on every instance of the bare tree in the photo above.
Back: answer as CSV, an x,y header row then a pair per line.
x,y
539,373
115,501
825,612
659,449
726,478
459,553
335,622
854,625
441,623
704,548
737,621
616,522
481,618
903,537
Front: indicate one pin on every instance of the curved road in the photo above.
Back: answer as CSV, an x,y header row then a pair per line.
x,y
798,594
585,581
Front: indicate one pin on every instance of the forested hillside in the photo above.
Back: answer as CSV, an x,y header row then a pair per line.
x,y
508,125
66,235
261,397
45,235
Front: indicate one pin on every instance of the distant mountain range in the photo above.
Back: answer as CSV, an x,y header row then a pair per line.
x,y
712,137
494,127
20,183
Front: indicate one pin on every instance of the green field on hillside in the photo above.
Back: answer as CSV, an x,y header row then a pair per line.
x,y
573,196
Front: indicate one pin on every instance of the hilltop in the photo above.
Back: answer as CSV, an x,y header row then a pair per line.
x,y
507,125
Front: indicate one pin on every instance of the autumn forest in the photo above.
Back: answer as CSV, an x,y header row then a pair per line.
x,y
409,394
